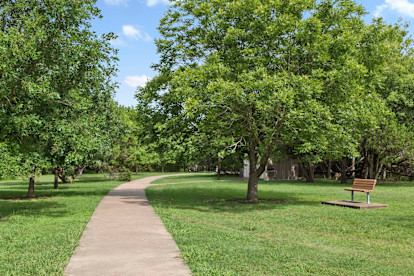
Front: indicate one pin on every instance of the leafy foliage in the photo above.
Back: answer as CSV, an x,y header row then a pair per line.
x,y
55,82
269,76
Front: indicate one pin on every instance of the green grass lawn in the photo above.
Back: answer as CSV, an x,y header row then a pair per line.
x,y
297,237
38,237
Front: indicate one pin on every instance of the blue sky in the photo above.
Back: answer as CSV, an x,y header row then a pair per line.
x,y
136,21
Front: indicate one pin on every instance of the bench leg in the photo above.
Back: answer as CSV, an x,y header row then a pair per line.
x,y
368,198
352,196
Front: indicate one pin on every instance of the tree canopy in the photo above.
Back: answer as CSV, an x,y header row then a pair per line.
x,y
55,74
271,75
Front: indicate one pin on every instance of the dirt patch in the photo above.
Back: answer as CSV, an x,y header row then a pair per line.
x,y
27,198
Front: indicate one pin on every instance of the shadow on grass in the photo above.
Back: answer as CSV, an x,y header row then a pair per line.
x,y
19,189
31,208
204,199
45,206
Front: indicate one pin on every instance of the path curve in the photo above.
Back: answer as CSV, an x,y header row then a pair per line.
x,y
126,237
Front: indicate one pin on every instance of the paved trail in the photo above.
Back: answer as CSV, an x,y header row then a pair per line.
x,y
126,237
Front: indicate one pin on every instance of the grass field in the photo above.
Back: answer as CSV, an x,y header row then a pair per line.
x,y
38,237
297,237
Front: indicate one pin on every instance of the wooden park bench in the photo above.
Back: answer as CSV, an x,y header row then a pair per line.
x,y
362,185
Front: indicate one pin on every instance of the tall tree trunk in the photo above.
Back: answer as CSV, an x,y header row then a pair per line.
x,y
343,169
56,183
378,172
309,171
256,169
162,168
30,192
353,167
366,173
253,182
136,169
329,169
218,168
252,187
377,166
371,166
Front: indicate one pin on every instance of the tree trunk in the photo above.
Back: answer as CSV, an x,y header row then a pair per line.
x,y
371,166
162,168
378,166
78,172
30,193
353,167
252,191
379,171
62,176
218,168
257,167
366,173
136,169
56,183
329,169
343,169
255,171
308,171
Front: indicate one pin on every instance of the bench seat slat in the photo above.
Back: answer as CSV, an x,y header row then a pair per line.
x,y
363,187
359,190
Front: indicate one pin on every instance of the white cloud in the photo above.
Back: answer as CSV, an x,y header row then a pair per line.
x,y
116,2
133,33
117,42
379,9
151,3
135,81
401,6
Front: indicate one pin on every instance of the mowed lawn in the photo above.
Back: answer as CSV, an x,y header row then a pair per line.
x,y
38,237
297,237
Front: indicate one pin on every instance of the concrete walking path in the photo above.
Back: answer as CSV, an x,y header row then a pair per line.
x,y
126,237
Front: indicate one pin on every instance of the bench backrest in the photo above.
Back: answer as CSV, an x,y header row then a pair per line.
x,y
364,184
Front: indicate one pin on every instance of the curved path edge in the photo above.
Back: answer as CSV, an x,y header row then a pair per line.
x,y
125,237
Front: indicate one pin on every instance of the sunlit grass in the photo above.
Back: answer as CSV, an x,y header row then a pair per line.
x,y
298,237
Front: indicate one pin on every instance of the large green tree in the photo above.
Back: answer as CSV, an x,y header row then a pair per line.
x,y
53,68
264,73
